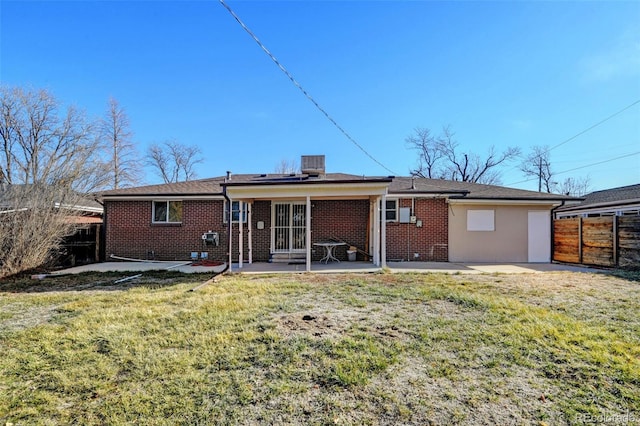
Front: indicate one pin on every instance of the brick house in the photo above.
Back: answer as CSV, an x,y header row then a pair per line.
x,y
249,218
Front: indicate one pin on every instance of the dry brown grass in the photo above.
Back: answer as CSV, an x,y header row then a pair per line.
x,y
550,348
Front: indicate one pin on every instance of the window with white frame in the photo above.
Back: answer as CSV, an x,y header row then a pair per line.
x,y
167,212
235,211
391,210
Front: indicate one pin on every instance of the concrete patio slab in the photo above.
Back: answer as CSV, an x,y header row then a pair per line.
x,y
333,268
180,266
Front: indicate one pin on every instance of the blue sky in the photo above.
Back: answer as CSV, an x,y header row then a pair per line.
x,y
499,73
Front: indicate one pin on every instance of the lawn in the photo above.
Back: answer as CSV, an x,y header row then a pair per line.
x,y
553,348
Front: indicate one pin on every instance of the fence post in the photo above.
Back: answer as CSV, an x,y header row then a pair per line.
x,y
615,240
579,239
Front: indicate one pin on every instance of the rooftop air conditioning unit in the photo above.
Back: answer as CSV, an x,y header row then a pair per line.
x,y
312,164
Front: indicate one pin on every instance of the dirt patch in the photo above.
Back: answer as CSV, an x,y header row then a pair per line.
x,y
20,317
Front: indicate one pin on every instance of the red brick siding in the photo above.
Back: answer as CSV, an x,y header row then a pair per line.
x,y
130,233
429,241
346,220
261,237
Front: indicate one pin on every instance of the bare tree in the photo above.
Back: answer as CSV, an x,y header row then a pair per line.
x,y
46,158
430,153
34,219
576,187
538,164
440,157
173,161
122,167
286,167
40,146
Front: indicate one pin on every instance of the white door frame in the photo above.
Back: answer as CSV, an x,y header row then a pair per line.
x,y
290,226
539,236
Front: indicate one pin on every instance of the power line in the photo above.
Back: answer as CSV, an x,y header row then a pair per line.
x,y
593,126
299,86
582,167
579,134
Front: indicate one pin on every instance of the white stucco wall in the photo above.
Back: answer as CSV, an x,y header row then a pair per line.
x,y
508,242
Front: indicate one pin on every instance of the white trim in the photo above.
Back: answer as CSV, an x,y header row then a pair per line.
x,y
538,236
493,202
250,237
396,209
241,222
383,233
241,208
376,231
230,228
602,210
165,222
308,233
291,203
356,189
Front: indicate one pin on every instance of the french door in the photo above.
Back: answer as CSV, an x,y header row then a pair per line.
x,y
289,227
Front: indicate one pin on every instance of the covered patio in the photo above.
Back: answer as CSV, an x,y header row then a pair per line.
x,y
293,220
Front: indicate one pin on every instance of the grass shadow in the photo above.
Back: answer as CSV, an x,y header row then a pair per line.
x,y
104,281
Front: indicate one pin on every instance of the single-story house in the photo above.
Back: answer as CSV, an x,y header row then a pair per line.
x,y
275,217
621,201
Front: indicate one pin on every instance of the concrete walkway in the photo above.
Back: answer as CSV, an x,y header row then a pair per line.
x,y
335,267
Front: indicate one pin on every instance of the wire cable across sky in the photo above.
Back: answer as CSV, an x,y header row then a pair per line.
x,y
299,86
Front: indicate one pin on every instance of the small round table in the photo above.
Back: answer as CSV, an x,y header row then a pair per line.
x,y
329,247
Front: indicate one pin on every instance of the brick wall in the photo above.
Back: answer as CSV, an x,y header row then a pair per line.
x,y
130,233
346,220
429,241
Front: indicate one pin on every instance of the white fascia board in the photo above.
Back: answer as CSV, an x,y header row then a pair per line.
x,y
301,191
590,210
498,202
608,206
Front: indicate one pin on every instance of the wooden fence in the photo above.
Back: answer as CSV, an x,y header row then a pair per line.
x,y
602,241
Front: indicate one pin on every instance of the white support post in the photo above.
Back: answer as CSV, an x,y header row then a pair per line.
x,y
383,233
250,228
240,232
308,233
376,232
229,216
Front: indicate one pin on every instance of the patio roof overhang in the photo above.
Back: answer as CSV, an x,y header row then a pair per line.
x,y
373,189
316,189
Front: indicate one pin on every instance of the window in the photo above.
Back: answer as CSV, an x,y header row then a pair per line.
x,y
235,211
167,212
391,210
480,220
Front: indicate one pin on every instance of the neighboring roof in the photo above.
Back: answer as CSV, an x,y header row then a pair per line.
x,y
82,202
397,185
613,197
84,220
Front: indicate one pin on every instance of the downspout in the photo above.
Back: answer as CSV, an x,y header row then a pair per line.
x,y
553,211
228,200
